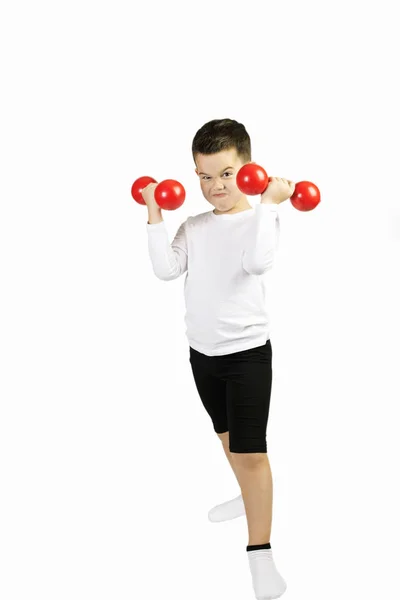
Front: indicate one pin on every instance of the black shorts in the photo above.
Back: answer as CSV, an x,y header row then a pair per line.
x,y
235,390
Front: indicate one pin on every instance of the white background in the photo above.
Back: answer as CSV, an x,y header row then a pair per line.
x,y
108,461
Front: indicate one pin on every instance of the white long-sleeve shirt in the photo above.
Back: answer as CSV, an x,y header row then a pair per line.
x,y
225,257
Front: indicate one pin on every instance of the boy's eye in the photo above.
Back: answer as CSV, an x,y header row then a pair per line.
x,y
226,173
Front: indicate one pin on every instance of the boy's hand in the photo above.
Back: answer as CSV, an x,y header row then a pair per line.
x,y
278,191
148,195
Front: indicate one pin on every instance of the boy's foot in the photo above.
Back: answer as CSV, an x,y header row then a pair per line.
x,y
228,510
268,584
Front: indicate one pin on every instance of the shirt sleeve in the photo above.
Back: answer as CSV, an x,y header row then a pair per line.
x,y
263,242
169,260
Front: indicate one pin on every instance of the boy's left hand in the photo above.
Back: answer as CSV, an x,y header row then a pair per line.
x,y
278,191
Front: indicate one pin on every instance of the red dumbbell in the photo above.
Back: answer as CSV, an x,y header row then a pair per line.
x,y
252,179
169,194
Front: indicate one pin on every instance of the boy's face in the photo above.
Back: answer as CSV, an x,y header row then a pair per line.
x,y
217,174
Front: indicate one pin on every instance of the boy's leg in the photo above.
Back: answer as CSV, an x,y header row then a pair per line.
x,y
248,399
232,509
253,472
249,382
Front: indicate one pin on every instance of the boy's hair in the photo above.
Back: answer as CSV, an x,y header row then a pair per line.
x,y
222,134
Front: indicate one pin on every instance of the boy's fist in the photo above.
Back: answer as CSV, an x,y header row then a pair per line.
x,y
148,195
278,190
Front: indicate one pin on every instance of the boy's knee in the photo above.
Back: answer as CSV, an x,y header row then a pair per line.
x,y
248,460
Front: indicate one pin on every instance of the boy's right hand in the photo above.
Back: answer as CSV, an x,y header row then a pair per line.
x,y
148,196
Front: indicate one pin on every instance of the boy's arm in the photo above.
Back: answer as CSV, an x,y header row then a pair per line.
x,y
169,260
258,257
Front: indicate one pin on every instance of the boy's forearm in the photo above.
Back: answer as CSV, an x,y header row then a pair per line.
x,y
155,215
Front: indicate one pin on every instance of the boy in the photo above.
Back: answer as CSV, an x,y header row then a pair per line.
x,y
225,252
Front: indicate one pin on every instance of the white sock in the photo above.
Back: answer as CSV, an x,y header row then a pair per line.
x,y
267,581
228,510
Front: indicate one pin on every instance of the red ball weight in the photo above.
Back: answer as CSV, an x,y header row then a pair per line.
x,y
138,186
169,194
306,196
252,179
